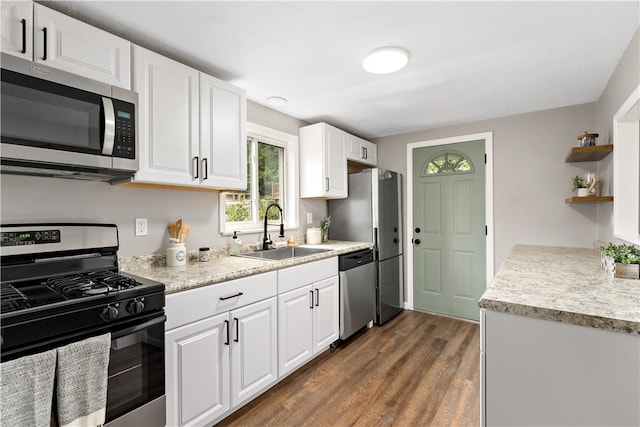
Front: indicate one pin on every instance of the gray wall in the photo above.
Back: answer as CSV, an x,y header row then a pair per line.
x,y
44,199
531,178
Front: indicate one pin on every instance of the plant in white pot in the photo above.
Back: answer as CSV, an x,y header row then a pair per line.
x,y
621,260
580,185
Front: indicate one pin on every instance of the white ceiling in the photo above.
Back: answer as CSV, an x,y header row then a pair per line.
x,y
469,60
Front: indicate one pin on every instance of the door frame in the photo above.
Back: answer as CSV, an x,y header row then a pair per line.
x,y
488,203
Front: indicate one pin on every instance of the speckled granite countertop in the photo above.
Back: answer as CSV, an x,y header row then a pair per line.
x,y
224,268
564,285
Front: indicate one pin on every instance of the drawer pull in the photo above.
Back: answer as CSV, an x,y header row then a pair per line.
x,y
231,296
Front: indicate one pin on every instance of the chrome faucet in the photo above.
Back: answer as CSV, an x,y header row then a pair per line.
x,y
266,240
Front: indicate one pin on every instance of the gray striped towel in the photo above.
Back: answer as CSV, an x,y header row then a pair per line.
x,y
82,382
27,390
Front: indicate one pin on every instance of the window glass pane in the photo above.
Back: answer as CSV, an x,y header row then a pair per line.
x,y
238,203
447,163
270,178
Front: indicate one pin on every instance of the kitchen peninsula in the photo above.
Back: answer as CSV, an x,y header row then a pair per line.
x,y
560,341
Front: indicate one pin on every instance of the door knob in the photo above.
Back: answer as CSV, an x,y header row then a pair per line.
x,y
417,241
417,229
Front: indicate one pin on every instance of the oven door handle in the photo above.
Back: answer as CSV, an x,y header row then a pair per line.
x,y
135,328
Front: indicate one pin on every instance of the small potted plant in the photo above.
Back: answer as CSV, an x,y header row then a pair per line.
x,y
324,226
621,260
580,185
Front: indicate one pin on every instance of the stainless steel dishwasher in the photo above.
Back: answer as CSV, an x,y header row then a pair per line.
x,y
357,291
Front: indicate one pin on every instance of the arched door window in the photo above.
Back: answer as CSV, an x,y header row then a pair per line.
x,y
447,163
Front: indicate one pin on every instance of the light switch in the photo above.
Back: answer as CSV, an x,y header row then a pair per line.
x,y
309,217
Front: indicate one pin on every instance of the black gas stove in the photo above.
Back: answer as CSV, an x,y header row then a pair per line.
x,y
58,280
60,284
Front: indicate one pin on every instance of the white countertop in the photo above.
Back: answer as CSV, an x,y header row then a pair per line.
x,y
565,285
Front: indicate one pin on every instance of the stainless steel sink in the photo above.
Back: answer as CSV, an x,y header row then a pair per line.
x,y
283,253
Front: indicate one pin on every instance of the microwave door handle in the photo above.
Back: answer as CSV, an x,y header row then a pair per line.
x,y
109,126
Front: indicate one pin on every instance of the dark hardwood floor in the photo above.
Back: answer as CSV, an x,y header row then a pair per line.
x,y
418,369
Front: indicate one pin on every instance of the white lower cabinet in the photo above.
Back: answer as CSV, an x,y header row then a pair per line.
x,y
325,314
197,380
221,348
295,323
254,351
227,343
308,314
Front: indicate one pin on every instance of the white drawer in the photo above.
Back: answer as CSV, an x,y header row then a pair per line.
x,y
304,274
189,306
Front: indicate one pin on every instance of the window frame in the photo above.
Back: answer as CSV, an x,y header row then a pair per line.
x,y
291,191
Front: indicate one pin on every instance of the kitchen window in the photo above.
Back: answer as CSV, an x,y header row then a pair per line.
x,y
272,157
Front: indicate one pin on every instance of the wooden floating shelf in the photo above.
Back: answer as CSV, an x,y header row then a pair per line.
x,y
589,154
590,199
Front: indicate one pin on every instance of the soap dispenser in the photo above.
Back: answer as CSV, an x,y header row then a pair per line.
x,y
234,245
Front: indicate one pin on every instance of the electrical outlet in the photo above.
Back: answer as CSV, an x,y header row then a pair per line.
x,y
309,217
141,226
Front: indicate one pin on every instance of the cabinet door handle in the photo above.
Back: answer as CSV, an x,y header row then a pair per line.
x,y
196,165
231,296
311,306
44,32
226,324
205,167
237,338
24,35
364,153
317,297
326,183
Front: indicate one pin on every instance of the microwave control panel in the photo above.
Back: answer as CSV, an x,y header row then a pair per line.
x,y
124,144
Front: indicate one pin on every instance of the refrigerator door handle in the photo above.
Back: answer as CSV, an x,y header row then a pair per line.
x,y
376,243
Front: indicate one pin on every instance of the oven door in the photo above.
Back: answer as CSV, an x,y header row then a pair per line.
x,y
135,393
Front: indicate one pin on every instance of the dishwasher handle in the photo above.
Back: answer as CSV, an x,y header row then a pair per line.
x,y
355,259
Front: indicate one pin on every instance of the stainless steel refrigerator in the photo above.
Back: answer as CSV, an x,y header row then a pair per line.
x,y
372,213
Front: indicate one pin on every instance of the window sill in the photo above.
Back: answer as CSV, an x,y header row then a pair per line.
x,y
259,230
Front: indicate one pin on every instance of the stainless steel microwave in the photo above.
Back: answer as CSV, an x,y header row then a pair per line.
x,y
55,123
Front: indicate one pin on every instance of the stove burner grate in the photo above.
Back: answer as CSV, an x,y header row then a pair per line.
x,y
89,284
12,299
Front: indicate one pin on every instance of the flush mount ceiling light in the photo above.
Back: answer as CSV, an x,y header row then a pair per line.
x,y
276,101
385,60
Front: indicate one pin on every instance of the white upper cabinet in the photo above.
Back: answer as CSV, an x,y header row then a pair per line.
x,y
70,45
192,126
17,28
40,34
323,162
223,118
361,151
168,119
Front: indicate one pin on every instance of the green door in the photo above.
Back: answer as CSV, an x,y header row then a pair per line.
x,y
449,228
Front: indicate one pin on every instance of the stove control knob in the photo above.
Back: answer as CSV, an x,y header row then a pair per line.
x,y
135,306
109,313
